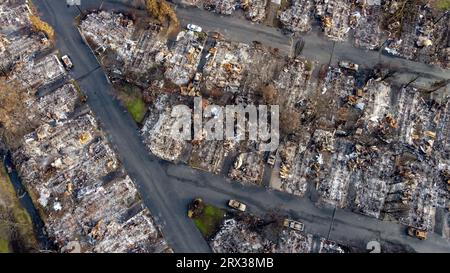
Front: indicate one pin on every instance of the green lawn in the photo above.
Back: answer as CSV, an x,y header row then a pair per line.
x,y
443,4
137,109
131,96
4,245
210,220
15,222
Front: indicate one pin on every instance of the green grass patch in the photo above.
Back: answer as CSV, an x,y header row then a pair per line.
x,y
16,226
77,87
443,4
4,245
131,96
137,109
210,220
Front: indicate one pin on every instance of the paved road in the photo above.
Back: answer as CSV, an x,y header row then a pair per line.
x,y
156,188
167,188
316,46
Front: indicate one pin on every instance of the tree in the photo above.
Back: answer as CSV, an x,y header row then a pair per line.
x,y
41,26
162,11
13,123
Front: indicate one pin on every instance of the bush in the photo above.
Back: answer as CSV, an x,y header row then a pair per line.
x,y
210,220
443,4
137,109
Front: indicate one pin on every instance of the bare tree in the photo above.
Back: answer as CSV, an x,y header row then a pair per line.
x,y
14,124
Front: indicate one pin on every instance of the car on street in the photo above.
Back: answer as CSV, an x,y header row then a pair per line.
x,y
194,28
67,62
417,233
237,205
296,225
271,160
349,65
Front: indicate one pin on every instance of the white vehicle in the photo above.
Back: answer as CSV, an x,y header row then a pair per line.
x,y
67,62
237,205
194,28
349,65
293,224
271,160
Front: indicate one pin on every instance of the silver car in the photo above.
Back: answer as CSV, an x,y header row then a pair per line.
x,y
293,224
194,28
237,205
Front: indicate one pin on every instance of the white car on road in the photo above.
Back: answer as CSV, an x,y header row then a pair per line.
x,y
194,28
293,224
67,62
237,205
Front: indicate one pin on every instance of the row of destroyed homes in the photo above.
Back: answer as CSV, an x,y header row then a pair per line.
x,y
416,30
85,198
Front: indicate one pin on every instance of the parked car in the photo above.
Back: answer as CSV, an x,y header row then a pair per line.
x,y
194,28
349,65
67,62
293,224
271,160
417,233
237,205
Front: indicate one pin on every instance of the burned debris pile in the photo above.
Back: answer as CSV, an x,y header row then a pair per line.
x,y
86,199
349,135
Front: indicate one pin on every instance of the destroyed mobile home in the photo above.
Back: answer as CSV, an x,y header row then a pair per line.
x,y
85,198
245,233
360,142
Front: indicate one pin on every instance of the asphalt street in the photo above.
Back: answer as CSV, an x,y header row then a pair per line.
x,y
155,187
316,46
167,188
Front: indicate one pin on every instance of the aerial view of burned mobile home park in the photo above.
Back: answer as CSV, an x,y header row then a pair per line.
x,y
354,95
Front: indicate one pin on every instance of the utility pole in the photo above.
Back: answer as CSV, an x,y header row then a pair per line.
x,y
381,50
332,53
413,80
439,85
79,9
439,19
332,222
291,51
